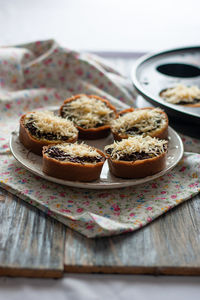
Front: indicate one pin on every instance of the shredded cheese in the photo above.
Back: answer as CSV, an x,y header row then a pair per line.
x,y
145,120
88,112
79,150
47,122
138,144
181,93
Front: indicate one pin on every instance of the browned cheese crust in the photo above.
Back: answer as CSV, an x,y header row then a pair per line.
x,y
33,144
161,133
71,171
92,133
137,169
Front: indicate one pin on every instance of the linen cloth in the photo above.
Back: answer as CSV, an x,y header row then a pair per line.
x,y
42,74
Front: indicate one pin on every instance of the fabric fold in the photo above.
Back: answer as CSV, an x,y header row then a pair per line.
x,y
41,75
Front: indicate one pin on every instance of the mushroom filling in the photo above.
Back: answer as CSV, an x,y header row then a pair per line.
x,y
133,156
87,112
44,135
181,94
136,148
139,122
68,154
136,130
45,125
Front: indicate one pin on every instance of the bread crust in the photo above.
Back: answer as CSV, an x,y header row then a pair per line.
x,y
185,105
190,105
33,144
91,133
139,168
161,133
71,171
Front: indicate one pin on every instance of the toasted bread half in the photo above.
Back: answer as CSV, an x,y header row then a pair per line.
x,y
34,137
75,162
91,115
137,157
182,95
140,121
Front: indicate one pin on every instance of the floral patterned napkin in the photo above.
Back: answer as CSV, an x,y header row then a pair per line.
x,y
43,74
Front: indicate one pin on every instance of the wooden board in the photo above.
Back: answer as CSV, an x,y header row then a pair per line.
x,y
170,245
31,244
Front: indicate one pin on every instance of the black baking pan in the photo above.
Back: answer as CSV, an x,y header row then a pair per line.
x,y
152,74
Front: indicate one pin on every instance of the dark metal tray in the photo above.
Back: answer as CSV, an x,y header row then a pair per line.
x,y
153,73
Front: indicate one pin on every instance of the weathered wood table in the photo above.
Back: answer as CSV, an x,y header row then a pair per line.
x,y
35,245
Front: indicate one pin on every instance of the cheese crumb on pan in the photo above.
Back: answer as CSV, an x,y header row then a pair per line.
x,y
78,150
145,120
47,122
137,144
181,93
87,112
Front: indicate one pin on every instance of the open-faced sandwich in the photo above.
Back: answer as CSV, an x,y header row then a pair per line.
x,y
142,121
42,128
91,115
78,162
182,95
137,157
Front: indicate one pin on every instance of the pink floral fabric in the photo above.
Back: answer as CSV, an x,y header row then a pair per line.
x,y
43,74
108,212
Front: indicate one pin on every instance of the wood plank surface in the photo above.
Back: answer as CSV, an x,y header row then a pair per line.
x,y
31,244
170,245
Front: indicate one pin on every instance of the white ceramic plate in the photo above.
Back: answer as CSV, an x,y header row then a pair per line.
x,y
33,163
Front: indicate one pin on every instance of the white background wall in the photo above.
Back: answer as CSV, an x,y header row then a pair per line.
x,y
117,25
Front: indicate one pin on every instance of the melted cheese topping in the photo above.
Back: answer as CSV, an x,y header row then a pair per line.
x,y
145,120
138,144
79,150
47,122
181,93
88,112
